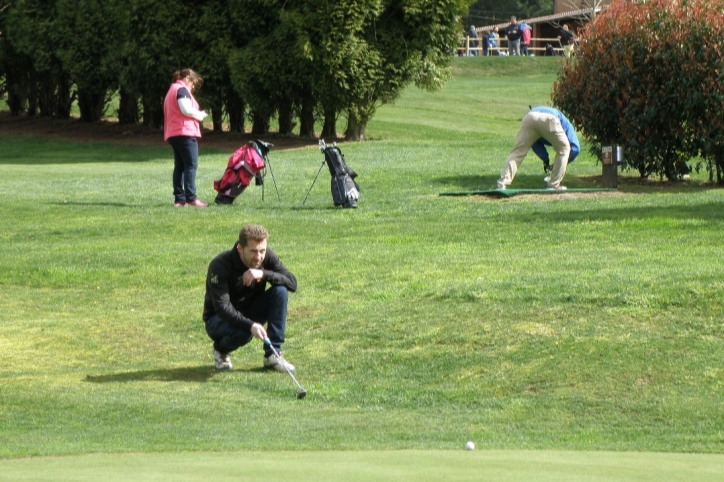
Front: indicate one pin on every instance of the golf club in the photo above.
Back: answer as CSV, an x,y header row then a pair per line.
x,y
302,392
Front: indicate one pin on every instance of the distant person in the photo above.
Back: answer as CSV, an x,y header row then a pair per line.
x,y
540,127
525,37
237,303
568,39
550,51
473,44
181,129
486,43
513,33
493,42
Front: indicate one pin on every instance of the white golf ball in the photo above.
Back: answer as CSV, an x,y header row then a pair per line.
x,y
470,445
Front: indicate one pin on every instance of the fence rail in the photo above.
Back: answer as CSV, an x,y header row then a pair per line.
x,y
466,49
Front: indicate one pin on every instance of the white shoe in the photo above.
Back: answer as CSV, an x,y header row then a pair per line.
x,y
546,179
222,361
501,186
278,363
556,188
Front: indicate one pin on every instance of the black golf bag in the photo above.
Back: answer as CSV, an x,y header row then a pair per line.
x,y
345,190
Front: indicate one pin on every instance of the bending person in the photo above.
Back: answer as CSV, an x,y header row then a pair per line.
x,y
540,127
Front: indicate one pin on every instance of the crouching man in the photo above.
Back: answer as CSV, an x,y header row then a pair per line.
x,y
237,303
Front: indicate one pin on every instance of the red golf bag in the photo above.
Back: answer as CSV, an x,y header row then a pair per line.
x,y
244,164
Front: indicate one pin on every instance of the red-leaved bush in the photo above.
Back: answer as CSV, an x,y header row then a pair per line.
x,y
649,75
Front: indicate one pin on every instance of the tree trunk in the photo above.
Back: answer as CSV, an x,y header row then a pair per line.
x,y
260,124
355,128
54,97
306,118
329,131
235,108
65,97
128,113
33,98
152,112
217,119
46,98
16,104
91,105
286,117
14,87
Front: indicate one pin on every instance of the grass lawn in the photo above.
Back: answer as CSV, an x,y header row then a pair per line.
x,y
573,337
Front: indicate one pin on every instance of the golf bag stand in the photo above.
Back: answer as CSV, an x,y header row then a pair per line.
x,y
263,148
246,162
345,190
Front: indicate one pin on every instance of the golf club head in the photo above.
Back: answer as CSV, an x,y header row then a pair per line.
x,y
302,392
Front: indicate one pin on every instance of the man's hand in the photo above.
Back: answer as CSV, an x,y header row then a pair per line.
x,y
258,331
251,276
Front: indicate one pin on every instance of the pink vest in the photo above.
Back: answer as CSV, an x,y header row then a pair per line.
x,y
174,122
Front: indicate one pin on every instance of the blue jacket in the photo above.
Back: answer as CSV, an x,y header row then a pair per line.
x,y
539,145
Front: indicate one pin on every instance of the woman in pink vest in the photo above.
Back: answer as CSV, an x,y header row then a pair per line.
x,y
181,128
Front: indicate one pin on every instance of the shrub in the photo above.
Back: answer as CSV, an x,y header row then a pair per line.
x,y
648,76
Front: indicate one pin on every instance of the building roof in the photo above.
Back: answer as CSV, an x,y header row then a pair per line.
x,y
546,18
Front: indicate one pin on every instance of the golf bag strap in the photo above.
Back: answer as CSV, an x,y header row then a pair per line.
x,y
245,165
248,169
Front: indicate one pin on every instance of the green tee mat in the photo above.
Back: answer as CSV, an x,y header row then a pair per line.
x,y
515,192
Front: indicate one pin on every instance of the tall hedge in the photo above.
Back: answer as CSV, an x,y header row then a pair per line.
x,y
648,76
88,45
32,34
309,59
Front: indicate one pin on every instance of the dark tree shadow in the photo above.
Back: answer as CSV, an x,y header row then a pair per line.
x,y
108,204
626,184
182,374
199,374
467,183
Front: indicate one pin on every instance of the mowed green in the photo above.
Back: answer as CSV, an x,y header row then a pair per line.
x,y
541,324
363,466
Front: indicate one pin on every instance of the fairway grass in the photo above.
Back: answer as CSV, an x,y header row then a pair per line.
x,y
400,466
564,334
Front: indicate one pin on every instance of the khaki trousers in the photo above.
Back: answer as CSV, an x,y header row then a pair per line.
x,y
534,126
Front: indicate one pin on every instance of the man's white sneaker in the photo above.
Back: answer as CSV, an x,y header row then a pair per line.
x,y
501,186
222,361
546,179
557,188
278,363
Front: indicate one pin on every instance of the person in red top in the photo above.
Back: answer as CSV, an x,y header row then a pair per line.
x,y
525,38
181,129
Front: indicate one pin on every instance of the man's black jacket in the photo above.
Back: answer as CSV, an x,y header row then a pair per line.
x,y
226,293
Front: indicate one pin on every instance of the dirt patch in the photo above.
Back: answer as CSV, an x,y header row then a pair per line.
x,y
112,132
